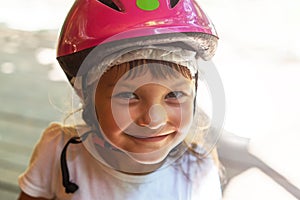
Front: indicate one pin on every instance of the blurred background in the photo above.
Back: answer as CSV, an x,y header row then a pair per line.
x,y
258,59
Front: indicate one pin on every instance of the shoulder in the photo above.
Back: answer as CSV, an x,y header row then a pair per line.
x,y
55,130
41,178
56,135
203,172
51,143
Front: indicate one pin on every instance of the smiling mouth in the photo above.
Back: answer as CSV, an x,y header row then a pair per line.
x,y
152,138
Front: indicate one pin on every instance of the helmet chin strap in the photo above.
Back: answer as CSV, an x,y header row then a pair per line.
x,y
70,187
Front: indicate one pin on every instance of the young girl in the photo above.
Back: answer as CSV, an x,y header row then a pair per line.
x,y
135,67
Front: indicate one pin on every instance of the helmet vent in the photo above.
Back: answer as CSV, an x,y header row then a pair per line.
x,y
173,3
111,4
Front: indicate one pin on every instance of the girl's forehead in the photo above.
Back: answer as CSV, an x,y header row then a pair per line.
x,y
144,74
115,80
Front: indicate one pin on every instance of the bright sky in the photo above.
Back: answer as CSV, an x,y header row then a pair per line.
x,y
34,14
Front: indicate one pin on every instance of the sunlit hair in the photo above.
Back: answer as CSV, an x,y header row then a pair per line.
x,y
159,69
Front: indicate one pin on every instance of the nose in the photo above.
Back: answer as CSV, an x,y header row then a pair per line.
x,y
154,117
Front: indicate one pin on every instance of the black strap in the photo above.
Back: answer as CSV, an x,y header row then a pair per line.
x,y
70,187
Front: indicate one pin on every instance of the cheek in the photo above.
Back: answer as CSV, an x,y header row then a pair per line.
x,y
104,115
113,118
183,115
121,115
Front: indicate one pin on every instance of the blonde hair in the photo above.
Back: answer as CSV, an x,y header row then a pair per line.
x,y
157,68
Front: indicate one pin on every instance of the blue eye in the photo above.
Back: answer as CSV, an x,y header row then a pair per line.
x,y
126,95
175,95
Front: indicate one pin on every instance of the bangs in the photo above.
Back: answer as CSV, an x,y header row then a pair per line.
x,y
159,69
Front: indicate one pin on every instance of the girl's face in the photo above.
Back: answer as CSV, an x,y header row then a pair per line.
x,y
144,113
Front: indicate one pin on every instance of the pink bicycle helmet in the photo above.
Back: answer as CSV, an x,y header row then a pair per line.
x,y
97,22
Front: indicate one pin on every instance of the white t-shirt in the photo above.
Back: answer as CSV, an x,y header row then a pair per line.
x,y
43,177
